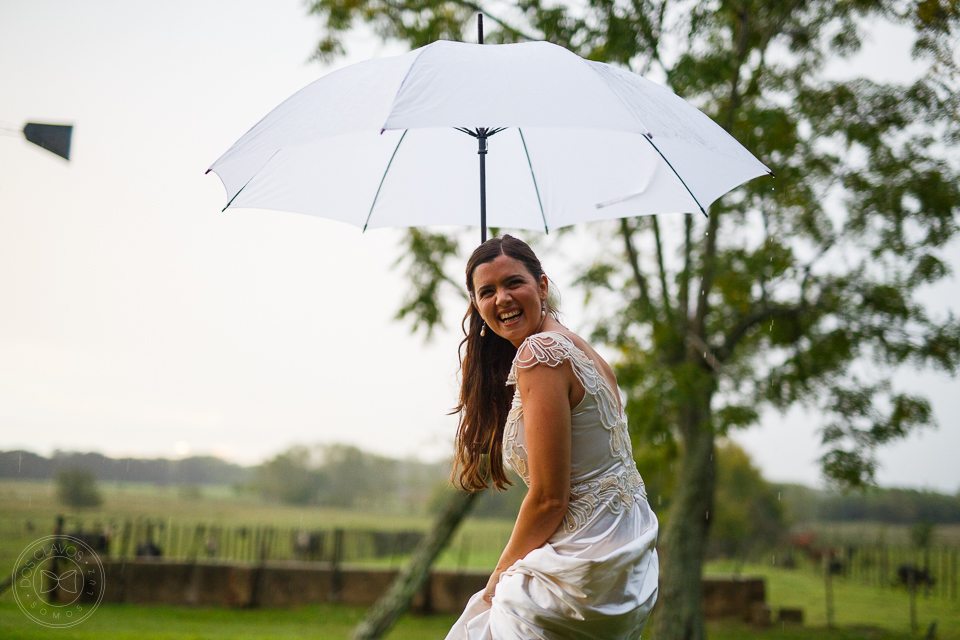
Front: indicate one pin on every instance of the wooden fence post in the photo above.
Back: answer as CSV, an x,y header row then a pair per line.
x,y
912,586
828,585
336,578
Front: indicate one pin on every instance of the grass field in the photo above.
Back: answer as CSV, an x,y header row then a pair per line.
x,y
322,622
854,604
860,611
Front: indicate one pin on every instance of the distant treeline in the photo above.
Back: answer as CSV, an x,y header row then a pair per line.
x,y
24,465
344,476
890,506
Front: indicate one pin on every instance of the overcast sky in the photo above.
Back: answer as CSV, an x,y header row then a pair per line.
x,y
137,319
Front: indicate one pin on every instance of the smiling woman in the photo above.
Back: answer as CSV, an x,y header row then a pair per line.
x,y
581,561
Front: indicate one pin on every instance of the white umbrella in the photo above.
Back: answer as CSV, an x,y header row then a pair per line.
x,y
382,143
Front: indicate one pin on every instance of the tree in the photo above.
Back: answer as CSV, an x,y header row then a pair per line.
x,y
77,487
800,291
289,477
749,515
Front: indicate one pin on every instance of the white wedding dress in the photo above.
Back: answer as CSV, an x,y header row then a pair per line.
x,y
596,577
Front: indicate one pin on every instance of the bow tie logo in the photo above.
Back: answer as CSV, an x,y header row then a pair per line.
x,y
64,581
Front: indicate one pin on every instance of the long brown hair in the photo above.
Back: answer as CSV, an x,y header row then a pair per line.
x,y
485,364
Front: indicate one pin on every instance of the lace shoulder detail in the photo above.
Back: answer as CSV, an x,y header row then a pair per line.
x,y
550,348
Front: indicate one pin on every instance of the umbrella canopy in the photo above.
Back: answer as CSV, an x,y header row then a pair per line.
x,y
380,143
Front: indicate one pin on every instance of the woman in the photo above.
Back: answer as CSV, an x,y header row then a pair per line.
x,y
581,562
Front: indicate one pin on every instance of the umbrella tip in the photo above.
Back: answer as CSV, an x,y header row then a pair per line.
x,y
772,175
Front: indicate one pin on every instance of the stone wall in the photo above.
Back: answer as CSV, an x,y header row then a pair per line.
x,y
288,583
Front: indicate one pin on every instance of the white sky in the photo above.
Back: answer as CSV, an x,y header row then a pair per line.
x,y
137,319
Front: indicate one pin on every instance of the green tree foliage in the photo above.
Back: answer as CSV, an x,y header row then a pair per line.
x,y
490,504
801,290
77,487
749,514
343,476
890,506
289,477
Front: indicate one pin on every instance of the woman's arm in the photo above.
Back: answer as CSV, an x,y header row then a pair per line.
x,y
545,394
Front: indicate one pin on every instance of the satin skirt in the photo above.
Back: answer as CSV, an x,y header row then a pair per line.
x,y
598,583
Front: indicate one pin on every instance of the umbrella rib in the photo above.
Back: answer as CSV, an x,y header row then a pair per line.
x,y
647,138
532,175
248,181
385,171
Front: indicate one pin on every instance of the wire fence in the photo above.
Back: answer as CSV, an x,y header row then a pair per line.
x,y
933,571
165,538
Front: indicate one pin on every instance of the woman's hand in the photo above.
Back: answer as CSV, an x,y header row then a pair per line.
x,y
491,588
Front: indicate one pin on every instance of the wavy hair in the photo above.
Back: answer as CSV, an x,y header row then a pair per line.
x,y
485,363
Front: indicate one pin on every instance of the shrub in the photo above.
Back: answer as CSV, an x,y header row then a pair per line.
x,y
77,487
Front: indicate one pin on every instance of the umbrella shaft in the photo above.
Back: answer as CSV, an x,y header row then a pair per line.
x,y
482,152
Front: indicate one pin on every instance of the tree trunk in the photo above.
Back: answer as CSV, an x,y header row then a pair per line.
x,y
391,605
679,615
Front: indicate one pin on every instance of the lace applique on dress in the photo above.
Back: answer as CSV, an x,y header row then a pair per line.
x,y
512,448
617,489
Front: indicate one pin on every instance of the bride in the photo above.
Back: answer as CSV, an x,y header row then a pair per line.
x,y
581,562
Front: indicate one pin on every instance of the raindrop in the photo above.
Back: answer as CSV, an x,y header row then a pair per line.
x,y
778,495
707,515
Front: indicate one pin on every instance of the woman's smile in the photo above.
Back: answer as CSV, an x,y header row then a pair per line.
x,y
511,317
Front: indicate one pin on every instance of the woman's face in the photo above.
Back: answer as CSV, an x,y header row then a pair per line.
x,y
509,298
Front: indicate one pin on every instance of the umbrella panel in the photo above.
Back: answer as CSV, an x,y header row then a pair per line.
x,y
432,179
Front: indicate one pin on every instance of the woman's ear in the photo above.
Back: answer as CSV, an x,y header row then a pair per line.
x,y
543,288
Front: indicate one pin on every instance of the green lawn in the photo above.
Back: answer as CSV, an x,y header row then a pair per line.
x,y
120,622
319,622
854,604
858,608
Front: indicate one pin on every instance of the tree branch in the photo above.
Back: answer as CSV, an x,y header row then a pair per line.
x,y
685,274
664,291
641,281
709,259
755,317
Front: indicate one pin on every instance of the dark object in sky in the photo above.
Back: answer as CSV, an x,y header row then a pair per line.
x,y
52,137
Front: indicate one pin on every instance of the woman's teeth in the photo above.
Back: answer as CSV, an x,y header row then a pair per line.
x,y
507,317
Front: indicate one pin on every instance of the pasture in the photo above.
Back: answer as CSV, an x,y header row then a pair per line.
x,y
860,611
